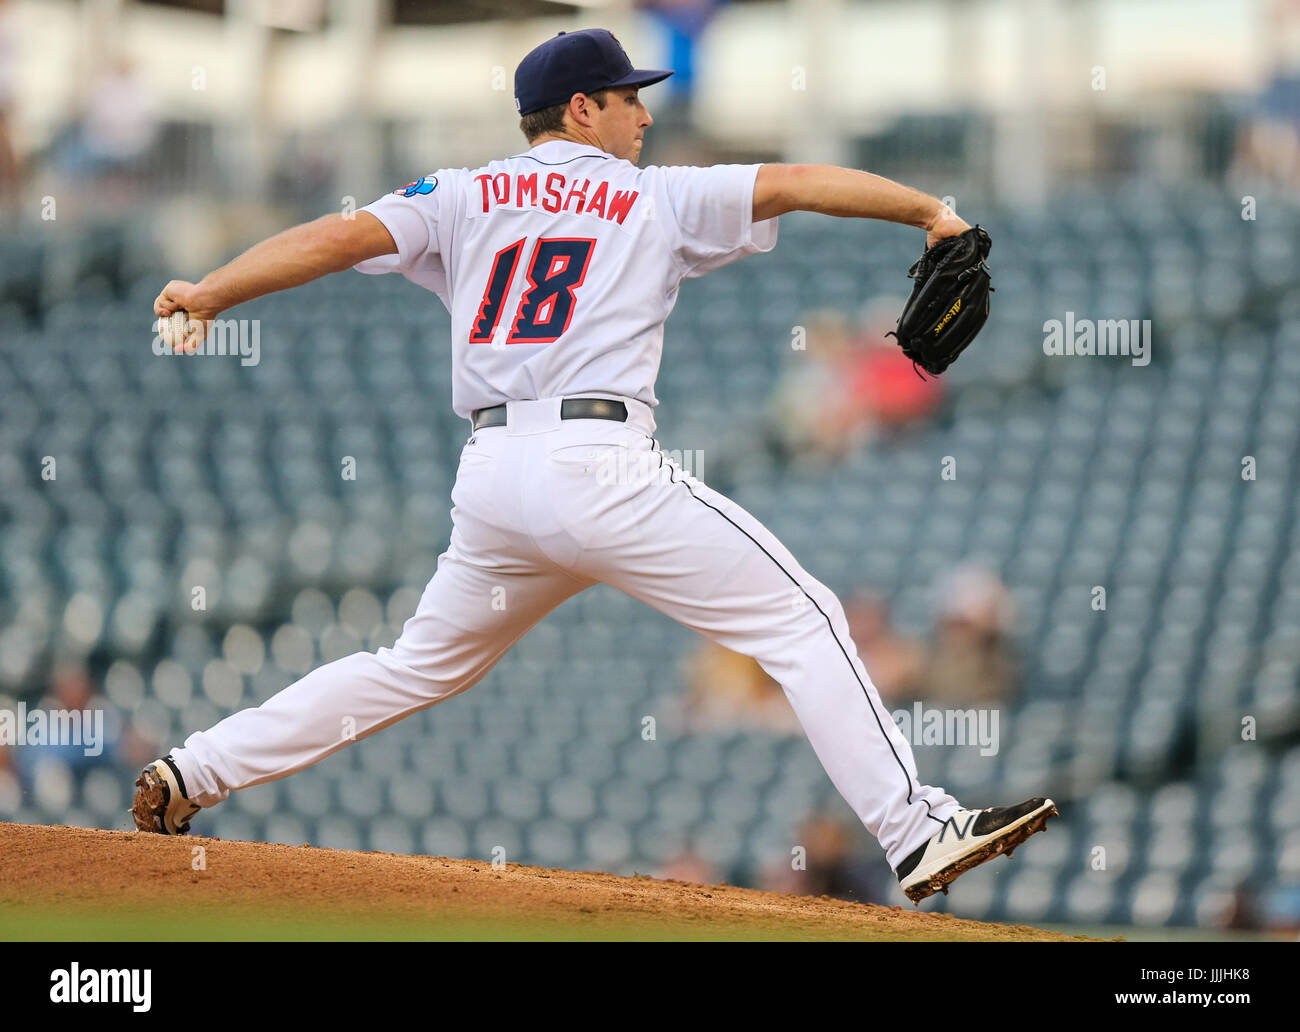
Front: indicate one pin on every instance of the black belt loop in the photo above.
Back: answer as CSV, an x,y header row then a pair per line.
x,y
570,408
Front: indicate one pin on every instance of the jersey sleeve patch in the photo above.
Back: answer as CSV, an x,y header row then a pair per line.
x,y
423,185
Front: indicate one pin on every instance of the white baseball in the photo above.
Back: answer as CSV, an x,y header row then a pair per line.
x,y
172,329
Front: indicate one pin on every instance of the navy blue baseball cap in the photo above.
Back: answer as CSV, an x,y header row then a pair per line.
x,y
576,62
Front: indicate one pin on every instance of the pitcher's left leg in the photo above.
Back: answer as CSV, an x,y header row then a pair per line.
x,y
706,562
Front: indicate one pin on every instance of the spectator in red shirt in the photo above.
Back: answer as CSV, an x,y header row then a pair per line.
x,y
883,385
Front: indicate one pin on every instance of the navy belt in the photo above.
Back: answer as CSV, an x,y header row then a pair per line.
x,y
570,408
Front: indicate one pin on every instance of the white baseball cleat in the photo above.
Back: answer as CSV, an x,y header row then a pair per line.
x,y
966,840
160,804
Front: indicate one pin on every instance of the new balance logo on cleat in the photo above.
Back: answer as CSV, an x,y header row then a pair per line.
x,y
970,819
977,835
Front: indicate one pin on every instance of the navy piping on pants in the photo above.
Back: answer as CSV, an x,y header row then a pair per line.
x,y
829,626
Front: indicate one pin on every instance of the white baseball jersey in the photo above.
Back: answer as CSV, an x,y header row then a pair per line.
x,y
560,265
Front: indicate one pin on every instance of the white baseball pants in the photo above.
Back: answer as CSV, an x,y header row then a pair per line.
x,y
542,509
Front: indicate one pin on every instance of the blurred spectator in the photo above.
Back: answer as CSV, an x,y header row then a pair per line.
x,y
832,866
726,689
811,418
1267,149
689,866
1243,912
1268,143
846,386
134,749
11,791
71,687
72,690
681,22
895,662
884,386
973,659
116,132
9,167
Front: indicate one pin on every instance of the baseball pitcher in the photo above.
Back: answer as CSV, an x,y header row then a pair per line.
x,y
559,266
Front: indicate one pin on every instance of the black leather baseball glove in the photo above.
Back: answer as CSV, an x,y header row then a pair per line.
x,y
949,303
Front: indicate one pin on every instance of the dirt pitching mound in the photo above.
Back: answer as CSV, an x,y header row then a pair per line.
x,y
78,884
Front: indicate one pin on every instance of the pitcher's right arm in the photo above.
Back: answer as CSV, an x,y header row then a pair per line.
x,y
299,255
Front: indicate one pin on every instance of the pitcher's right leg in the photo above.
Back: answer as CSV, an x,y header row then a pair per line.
x,y
452,641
